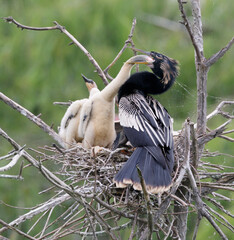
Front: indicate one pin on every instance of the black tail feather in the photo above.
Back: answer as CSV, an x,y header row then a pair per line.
x,y
157,177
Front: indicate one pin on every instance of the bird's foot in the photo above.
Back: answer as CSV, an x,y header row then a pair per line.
x,y
95,150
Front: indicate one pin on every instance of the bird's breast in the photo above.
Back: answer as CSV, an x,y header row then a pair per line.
x,y
103,122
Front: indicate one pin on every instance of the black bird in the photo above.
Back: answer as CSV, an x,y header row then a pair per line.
x,y
148,126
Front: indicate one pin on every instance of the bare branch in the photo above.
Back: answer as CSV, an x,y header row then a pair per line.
x,y
147,201
16,230
89,219
199,218
133,227
197,29
32,118
218,110
19,25
127,42
227,138
189,29
38,210
74,40
213,59
12,162
201,206
209,136
11,177
195,156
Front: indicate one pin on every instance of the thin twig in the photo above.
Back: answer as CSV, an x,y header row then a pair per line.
x,y
148,207
133,227
215,133
218,110
199,218
213,59
12,163
46,223
63,103
201,206
16,230
194,146
127,42
11,176
89,219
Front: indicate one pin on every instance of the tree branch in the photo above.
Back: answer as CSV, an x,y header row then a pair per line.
x,y
190,32
19,25
63,30
201,206
218,110
147,201
12,163
32,118
213,59
213,134
127,42
16,230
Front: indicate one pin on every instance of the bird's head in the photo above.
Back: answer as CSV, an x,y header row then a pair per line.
x,y
165,68
90,84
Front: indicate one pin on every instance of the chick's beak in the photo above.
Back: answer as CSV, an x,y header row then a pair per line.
x,y
89,83
141,59
86,79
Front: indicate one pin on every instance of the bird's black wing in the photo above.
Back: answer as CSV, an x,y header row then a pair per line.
x,y
147,124
147,117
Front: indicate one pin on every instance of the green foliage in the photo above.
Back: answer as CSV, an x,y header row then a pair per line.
x,y
39,68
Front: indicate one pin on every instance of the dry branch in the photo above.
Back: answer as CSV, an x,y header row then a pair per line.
x,y
32,118
148,207
127,42
63,30
218,110
12,163
16,230
194,40
213,59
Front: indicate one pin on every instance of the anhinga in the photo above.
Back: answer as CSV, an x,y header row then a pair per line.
x,y
96,115
148,126
71,120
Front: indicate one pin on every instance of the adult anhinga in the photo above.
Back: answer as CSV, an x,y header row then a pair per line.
x,y
148,126
71,120
96,120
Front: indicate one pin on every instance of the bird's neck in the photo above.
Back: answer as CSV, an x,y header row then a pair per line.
x,y
111,90
145,82
93,91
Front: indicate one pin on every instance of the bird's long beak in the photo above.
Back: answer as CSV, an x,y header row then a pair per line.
x,y
141,59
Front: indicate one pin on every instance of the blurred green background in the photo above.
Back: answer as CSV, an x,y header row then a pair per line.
x,y
39,68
